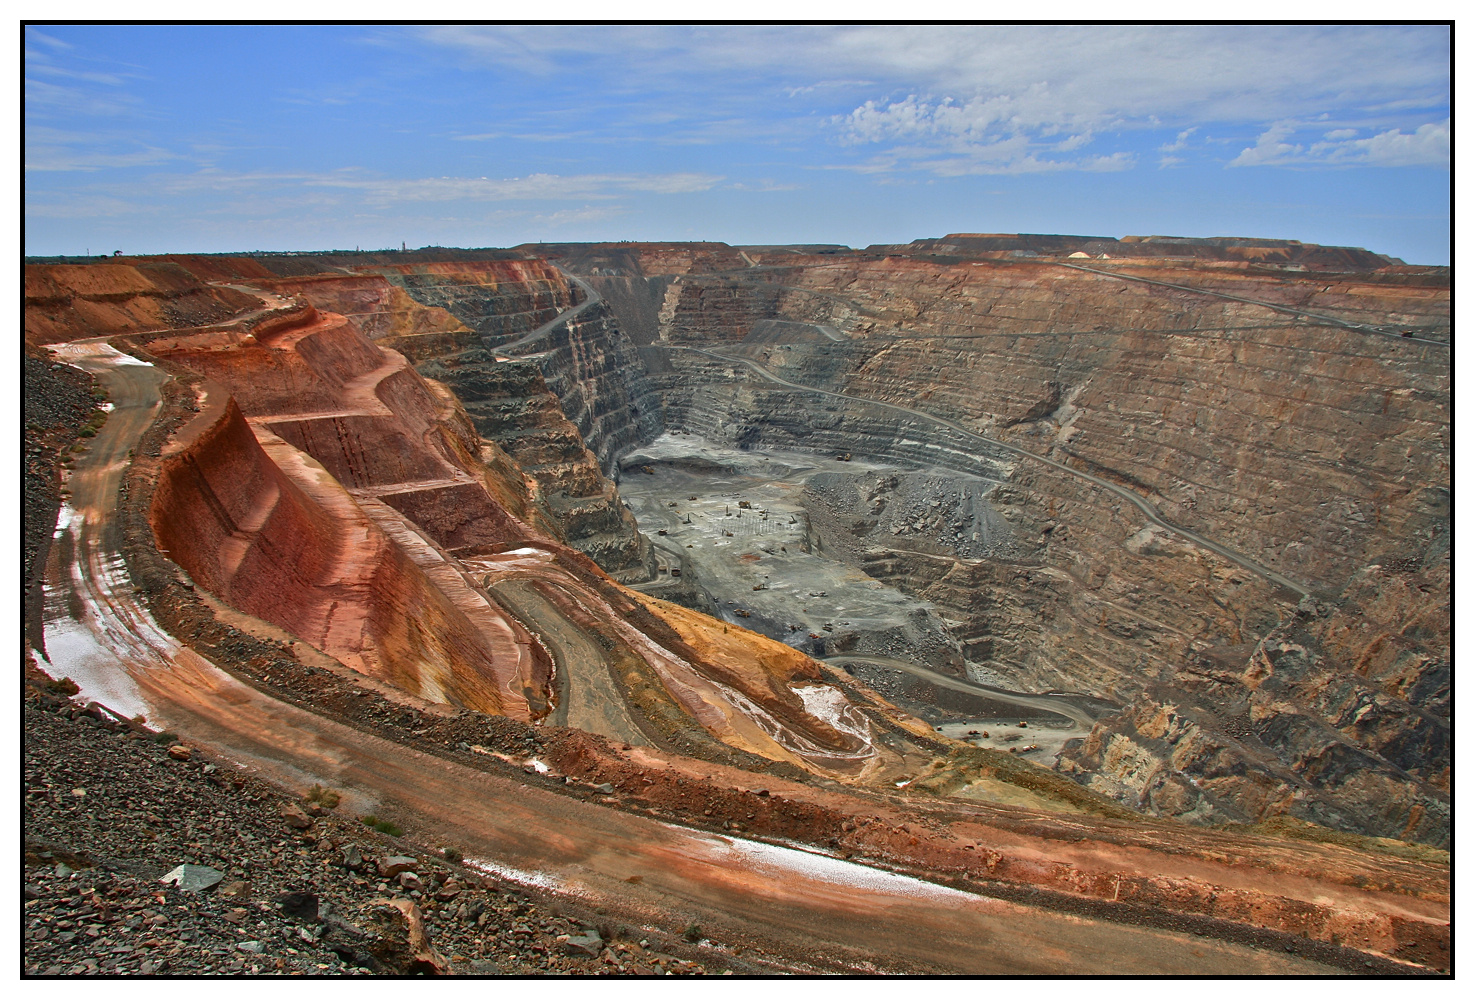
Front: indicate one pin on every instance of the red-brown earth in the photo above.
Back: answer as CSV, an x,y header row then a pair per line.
x,y
355,577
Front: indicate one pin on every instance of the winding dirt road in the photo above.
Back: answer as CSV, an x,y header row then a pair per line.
x,y
592,298
588,697
1043,702
837,913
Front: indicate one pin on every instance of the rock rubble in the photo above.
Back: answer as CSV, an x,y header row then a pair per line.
x,y
108,813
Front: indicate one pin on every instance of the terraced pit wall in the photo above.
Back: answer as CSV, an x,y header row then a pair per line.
x,y
1318,451
69,301
562,415
254,502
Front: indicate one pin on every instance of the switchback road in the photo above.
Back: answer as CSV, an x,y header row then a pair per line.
x,y
1146,508
592,298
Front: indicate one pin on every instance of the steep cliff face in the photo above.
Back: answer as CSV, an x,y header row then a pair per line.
x,y
444,315
1339,715
494,301
324,486
595,372
1261,406
65,302
1053,416
588,361
509,403
588,369
1210,406
381,309
281,500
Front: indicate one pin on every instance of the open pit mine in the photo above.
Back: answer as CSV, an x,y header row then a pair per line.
x,y
988,604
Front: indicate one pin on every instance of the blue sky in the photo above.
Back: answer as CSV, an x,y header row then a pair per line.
x,y
154,138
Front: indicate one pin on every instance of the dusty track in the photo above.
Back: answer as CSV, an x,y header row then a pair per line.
x,y
589,699
592,298
1042,702
835,911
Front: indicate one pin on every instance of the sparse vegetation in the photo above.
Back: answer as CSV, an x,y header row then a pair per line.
x,y
325,797
94,424
1296,829
381,825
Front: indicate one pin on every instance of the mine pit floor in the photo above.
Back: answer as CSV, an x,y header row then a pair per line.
x,y
754,559
799,588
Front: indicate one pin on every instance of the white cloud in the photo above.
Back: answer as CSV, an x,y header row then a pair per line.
x,y
1051,72
1270,148
45,98
574,216
534,187
998,135
1179,143
1029,163
970,120
764,185
59,150
37,66
383,191
1427,145
82,207
56,43
1015,155
961,90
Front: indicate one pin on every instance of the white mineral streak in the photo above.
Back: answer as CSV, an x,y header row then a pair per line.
x,y
780,861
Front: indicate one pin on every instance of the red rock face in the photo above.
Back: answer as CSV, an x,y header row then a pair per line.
x,y
65,302
247,510
328,489
303,555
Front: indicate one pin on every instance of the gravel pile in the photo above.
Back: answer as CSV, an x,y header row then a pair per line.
x,y
110,809
58,403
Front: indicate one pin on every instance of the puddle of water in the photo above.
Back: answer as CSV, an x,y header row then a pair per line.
x,y
85,638
72,650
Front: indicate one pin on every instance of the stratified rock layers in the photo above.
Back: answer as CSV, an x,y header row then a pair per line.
x,y
69,301
1246,405
447,317
326,487
1256,393
270,515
